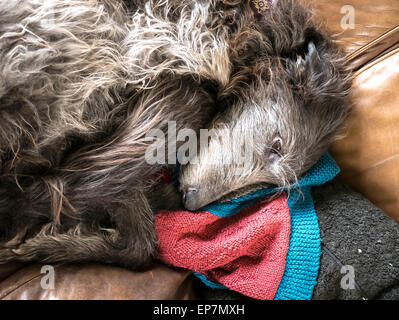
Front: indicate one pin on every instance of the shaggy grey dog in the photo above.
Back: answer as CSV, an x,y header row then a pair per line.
x,y
82,82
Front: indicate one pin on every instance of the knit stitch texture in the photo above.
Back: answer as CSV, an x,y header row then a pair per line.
x,y
242,244
245,252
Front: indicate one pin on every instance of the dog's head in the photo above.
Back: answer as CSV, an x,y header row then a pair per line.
x,y
284,108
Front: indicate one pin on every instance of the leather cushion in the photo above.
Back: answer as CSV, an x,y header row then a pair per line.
x,y
369,153
372,20
95,282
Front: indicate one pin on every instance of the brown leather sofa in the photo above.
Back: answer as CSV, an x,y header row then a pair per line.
x,y
368,156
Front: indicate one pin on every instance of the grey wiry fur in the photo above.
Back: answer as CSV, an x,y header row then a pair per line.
x,y
288,93
82,82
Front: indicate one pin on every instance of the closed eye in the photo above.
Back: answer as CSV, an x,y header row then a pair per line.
x,y
276,146
275,149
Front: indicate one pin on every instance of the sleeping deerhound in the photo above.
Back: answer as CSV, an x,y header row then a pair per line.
x,y
83,81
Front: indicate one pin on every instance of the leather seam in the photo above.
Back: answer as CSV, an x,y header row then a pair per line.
x,y
375,41
378,164
352,57
371,64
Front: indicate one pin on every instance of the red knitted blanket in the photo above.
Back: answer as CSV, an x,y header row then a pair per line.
x,y
245,252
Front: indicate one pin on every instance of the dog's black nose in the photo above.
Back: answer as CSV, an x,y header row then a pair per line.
x,y
190,198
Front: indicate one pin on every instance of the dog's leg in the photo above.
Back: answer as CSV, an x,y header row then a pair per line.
x,y
136,238
113,230
129,244
74,246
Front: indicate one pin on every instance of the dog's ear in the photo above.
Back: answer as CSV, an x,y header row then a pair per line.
x,y
317,73
306,69
320,83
